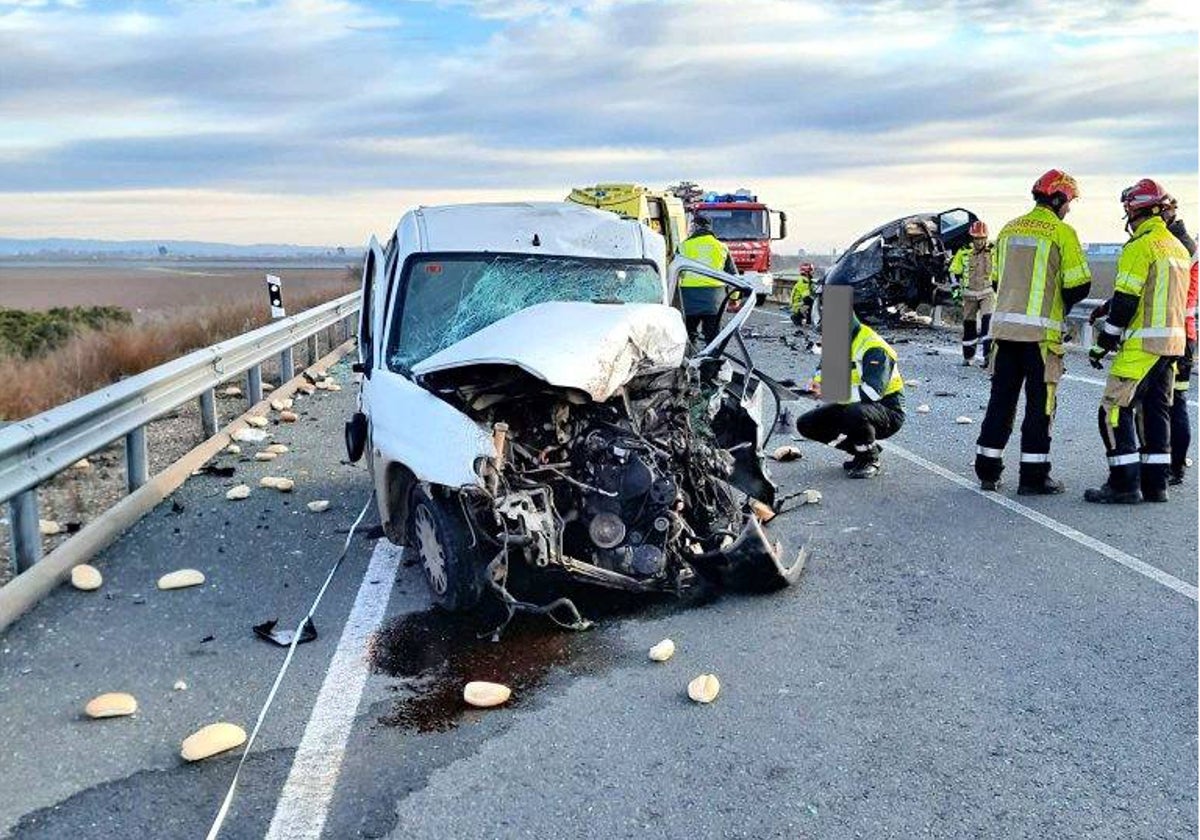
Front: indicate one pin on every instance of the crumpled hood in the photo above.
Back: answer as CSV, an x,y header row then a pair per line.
x,y
592,347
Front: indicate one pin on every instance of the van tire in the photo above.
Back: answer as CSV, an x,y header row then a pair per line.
x,y
760,299
441,541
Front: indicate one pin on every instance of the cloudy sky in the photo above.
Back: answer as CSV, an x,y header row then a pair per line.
x,y
321,121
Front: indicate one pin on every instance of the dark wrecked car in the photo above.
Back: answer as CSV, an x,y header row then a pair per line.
x,y
901,265
528,398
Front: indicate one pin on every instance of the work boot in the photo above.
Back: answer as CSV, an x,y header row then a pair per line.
x,y
991,486
1106,495
866,469
1156,494
966,362
1177,475
1045,486
862,458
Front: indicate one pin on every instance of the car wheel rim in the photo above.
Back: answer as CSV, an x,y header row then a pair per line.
x,y
433,557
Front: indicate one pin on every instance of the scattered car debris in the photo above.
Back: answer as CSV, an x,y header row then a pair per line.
x,y
268,632
765,513
283,485
306,388
211,740
704,688
180,685
787,453
288,417
281,405
230,391
49,528
265,456
248,435
963,420
318,505
485,695
923,408
912,383
233,449
662,651
812,497
181,579
86,577
214,469
113,704
267,386
277,448
82,465
241,491
257,421
945,393
177,506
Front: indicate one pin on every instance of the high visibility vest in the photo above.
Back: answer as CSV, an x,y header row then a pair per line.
x,y
1036,256
800,291
864,340
707,249
1155,268
974,266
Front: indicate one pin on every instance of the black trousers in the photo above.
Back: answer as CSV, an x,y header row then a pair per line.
x,y
1017,364
971,336
1139,445
852,427
709,325
1181,421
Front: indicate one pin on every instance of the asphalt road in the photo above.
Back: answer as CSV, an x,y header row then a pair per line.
x,y
947,667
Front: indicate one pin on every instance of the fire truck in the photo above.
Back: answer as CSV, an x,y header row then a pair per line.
x,y
743,223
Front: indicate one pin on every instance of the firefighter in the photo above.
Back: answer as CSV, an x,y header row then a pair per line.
x,y
801,304
875,410
1145,325
972,264
1181,427
702,296
1039,272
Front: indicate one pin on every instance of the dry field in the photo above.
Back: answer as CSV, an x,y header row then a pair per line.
x,y
149,290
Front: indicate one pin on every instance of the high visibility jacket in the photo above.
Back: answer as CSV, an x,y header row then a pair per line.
x,y
800,291
1037,256
974,266
865,340
1155,268
707,249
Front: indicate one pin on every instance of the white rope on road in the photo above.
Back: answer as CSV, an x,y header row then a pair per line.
x,y
1115,554
223,811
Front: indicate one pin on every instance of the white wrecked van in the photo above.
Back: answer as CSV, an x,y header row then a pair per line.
x,y
528,396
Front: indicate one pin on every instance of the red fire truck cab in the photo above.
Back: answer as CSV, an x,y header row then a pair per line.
x,y
743,223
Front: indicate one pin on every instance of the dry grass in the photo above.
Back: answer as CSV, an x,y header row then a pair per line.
x,y
97,358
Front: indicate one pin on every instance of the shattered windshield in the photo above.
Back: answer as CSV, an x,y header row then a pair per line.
x,y
738,224
447,298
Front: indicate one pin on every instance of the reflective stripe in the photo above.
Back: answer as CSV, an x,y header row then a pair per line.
x,y
988,452
970,343
1122,460
1035,457
870,447
1157,332
1182,385
1111,329
869,391
1024,241
837,440
1129,280
1028,320
1079,272
1157,458
1037,291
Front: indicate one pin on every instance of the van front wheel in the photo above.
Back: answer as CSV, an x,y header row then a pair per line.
x,y
441,539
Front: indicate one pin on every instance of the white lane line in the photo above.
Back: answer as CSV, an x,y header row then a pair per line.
x,y
1088,379
304,803
1115,554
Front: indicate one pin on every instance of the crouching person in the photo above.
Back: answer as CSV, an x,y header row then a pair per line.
x,y
874,412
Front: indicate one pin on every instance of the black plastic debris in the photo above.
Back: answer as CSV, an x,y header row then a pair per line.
x,y
268,633
219,472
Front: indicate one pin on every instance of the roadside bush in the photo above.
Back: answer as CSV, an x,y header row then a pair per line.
x,y
31,334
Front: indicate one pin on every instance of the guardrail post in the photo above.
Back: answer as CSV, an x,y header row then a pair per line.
x,y
208,413
137,459
254,384
937,316
314,349
287,365
23,527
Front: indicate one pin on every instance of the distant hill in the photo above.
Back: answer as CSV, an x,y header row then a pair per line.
x,y
160,248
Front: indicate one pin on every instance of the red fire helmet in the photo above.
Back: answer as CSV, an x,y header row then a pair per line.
x,y
978,229
1056,182
1144,195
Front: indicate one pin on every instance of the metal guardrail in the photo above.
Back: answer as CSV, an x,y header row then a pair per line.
x,y
36,449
